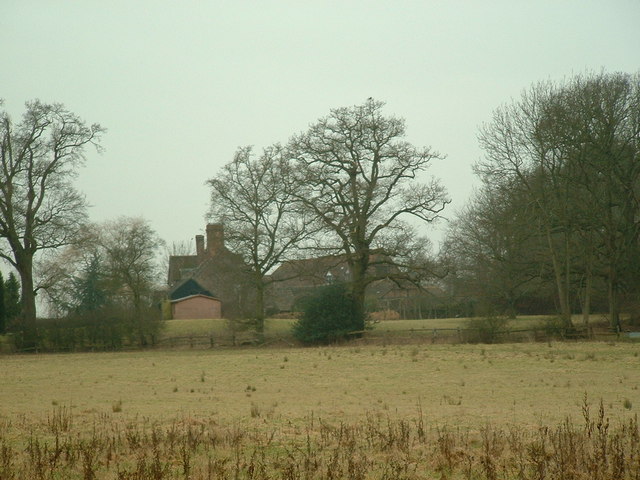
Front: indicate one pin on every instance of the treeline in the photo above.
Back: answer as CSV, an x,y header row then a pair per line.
x,y
553,227
100,290
555,224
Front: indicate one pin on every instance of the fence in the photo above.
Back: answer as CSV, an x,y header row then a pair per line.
x,y
366,337
474,335
414,335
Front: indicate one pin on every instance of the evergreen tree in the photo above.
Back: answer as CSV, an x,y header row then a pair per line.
x,y
3,312
329,314
11,299
90,288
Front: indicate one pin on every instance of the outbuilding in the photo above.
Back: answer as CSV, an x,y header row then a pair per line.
x,y
190,300
196,306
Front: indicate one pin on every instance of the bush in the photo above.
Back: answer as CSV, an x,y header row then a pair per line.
x,y
107,328
328,315
554,327
486,329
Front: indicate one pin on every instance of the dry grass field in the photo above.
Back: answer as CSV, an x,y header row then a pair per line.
x,y
431,409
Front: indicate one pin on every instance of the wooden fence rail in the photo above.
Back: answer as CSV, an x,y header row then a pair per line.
x,y
375,336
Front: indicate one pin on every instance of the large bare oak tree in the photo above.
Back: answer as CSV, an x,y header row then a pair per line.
x,y
39,207
361,179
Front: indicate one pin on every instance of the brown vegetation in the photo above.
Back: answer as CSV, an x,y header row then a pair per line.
x,y
378,446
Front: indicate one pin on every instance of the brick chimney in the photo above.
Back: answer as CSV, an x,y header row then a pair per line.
x,y
200,246
215,238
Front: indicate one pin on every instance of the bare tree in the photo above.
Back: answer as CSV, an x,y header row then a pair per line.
x,y
130,248
39,207
573,148
254,199
598,117
492,253
61,273
359,178
521,153
175,249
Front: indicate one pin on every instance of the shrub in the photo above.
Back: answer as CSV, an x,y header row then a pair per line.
x,y
328,315
554,327
486,329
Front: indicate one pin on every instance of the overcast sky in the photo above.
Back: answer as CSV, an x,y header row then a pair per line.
x,y
180,85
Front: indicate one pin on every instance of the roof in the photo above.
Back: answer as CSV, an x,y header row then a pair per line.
x,y
194,296
189,288
335,266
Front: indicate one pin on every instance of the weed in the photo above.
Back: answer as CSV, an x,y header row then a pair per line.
x,y
446,399
377,446
116,407
60,420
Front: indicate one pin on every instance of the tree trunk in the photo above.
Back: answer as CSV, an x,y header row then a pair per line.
x,y
28,303
588,280
563,296
259,322
614,313
139,318
358,287
358,293
586,303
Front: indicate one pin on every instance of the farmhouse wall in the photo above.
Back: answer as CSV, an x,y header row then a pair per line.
x,y
196,307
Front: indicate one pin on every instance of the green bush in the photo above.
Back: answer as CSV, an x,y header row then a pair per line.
x,y
554,327
328,315
486,329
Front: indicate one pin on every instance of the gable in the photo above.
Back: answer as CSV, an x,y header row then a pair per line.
x,y
189,288
179,266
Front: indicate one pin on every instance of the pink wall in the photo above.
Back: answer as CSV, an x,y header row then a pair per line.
x,y
197,306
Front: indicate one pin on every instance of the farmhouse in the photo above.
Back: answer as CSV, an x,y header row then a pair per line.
x,y
216,283
295,279
213,283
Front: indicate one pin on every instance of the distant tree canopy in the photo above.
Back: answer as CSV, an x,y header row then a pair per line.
x,y
110,274
559,205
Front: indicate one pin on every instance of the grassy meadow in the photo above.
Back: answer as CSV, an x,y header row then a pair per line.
x,y
397,411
